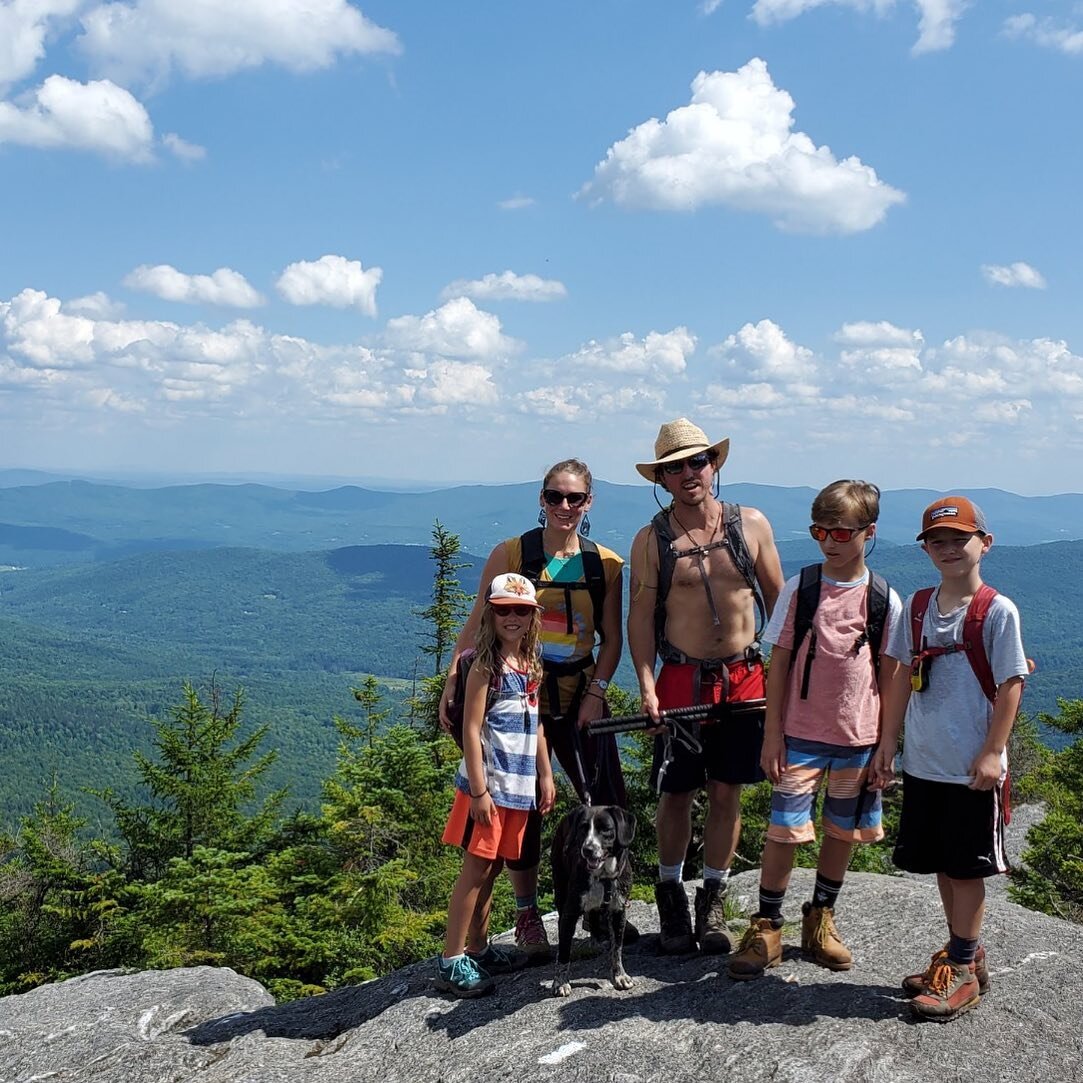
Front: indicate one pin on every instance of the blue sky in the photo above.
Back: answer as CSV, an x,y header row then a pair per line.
x,y
444,242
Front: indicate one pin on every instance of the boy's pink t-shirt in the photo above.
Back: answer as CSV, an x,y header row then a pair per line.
x,y
843,704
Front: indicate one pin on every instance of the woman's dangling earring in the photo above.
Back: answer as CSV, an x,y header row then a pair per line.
x,y
541,517
584,526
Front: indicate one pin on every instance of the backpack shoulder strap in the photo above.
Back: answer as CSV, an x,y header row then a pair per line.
x,y
532,554
742,559
876,615
919,606
808,600
667,561
974,639
594,574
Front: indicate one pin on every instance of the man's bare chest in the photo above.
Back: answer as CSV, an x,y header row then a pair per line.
x,y
712,562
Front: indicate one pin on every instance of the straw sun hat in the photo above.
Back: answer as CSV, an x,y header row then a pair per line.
x,y
681,439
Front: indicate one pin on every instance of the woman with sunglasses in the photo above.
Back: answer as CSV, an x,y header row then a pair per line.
x,y
581,641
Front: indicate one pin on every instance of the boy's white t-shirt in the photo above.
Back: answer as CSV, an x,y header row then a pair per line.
x,y
946,725
843,706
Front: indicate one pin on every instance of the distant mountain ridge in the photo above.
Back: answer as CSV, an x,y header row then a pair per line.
x,y
102,522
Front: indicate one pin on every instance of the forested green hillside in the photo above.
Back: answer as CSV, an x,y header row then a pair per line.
x,y
88,653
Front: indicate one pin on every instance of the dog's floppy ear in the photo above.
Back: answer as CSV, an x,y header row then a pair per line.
x,y
626,826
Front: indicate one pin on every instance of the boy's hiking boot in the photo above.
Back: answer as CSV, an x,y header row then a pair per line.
x,y
915,984
820,940
760,947
711,931
530,936
952,990
462,977
500,959
674,920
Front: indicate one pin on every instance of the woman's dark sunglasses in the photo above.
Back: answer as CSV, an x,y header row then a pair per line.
x,y
518,610
696,462
554,498
838,533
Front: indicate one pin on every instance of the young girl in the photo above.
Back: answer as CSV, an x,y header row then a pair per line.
x,y
504,762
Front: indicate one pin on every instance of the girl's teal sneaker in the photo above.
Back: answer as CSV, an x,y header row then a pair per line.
x,y
462,977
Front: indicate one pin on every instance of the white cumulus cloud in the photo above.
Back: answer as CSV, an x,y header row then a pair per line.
x,y
25,26
1013,274
149,39
516,203
507,286
331,280
880,333
97,116
734,145
181,148
660,354
763,350
936,24
222,287
98,306
1046,32
457,329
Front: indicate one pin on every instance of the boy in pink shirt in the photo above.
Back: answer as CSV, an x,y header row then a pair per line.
x,y
823,717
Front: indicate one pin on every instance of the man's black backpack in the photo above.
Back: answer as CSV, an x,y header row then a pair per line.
x,y
808,599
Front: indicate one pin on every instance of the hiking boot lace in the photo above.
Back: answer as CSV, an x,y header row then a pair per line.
x,y
465,972
748,937
825,930
942,977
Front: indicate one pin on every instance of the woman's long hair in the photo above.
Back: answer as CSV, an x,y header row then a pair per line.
x,y
488,645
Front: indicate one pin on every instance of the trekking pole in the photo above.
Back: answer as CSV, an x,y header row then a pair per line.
x,y
703,712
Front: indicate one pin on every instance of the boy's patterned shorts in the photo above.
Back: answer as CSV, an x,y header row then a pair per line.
x,y
851,811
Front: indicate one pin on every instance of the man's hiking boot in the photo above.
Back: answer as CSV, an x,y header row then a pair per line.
x,y
674,920
952,990
915,984
711,931
500,959
530,936
820,940
462,977
760,947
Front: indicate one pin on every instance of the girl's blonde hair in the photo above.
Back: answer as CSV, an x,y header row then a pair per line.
x,y
488,645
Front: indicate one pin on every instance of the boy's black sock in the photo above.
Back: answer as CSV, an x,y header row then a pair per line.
x,y
962,949
771,904
826,891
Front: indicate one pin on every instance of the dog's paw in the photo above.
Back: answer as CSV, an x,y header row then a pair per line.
x,y
562,989
622,981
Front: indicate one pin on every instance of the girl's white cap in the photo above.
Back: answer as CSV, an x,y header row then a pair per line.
x,y
512,589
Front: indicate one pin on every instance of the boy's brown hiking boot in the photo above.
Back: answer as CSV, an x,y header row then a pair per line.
x,y
820,940
916,984
674,921
760,947
711,931
952,990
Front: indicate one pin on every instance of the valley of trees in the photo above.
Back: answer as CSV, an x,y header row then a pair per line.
x,y
201,861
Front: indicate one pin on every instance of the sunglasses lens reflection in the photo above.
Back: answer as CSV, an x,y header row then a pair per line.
x,y
554,498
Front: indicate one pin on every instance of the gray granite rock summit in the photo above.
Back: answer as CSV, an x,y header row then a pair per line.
x,y
683,1021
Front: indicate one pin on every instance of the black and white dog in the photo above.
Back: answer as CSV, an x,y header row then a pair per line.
x,y
592,875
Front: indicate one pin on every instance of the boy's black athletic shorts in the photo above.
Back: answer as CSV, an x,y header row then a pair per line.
x,y
947,827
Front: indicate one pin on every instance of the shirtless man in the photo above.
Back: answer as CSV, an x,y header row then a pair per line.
x,y
723,575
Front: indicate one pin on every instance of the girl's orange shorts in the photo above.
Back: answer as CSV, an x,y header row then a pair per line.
x,y
502,838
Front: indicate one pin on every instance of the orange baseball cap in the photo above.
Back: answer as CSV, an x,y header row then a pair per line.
x,y
956,513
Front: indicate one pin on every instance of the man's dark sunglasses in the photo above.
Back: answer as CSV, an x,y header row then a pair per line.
x,y
696,462
554,498
518,610
838,533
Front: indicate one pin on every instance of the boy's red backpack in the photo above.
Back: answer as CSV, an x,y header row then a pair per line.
x,y
456,705
973,642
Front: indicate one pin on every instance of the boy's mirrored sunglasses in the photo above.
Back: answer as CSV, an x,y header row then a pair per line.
x,y
554,498
518,610
837,533
695,462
